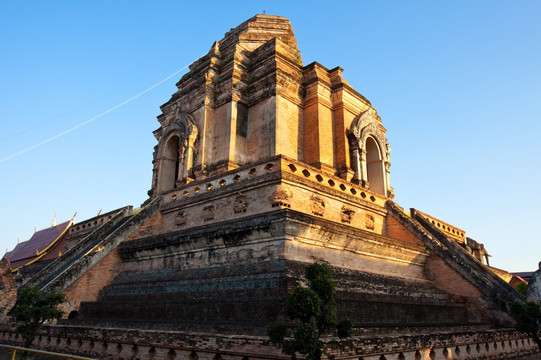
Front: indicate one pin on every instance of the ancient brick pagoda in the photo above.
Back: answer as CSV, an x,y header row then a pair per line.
x,y
264,165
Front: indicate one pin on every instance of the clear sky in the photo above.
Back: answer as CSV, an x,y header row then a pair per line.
x,y
456,83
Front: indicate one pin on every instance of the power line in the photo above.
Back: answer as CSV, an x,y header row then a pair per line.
x,y
91,119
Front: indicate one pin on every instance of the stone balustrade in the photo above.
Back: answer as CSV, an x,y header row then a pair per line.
x,y
277,163
150,344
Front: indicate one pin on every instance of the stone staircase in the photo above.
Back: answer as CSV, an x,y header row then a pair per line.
x,y
65,270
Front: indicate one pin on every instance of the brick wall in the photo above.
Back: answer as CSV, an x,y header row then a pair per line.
x,y
447,279
151,227
8,289
95,279
396,230
505,344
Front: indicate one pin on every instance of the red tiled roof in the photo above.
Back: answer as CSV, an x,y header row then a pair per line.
x,y
30,249
56,250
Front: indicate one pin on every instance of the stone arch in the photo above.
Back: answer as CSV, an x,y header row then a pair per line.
x,y
370,153
375,171
169,164
176,152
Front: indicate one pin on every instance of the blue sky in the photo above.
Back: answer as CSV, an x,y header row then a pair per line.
x,y
457,84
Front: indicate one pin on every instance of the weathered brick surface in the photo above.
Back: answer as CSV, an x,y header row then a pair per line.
x,y
55,268
150,227
66,270
447,279
463,263
110,343
262,165
395,230
93,280
235,277
8,289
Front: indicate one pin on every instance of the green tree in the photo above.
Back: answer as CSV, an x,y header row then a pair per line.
x,y
522,287
313,309
528,319
33,309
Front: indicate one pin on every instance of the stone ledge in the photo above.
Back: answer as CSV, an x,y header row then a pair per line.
x,y
112,343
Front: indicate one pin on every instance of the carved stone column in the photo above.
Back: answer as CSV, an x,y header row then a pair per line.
x,y
181,164
190,153
356,162
189,163
387,178
364,169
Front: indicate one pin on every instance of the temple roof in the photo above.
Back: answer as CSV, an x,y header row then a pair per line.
x,y
36,248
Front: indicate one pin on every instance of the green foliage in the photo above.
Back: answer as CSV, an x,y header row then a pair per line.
x,y
313,309
528,319
344,328
306,341
33,309
277,333
303,304
522,288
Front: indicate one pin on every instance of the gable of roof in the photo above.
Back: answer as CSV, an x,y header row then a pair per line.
x,y
32,250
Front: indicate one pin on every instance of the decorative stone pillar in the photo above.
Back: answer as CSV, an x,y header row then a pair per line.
x,y
364,169
356,162
190,154
181,170
388,178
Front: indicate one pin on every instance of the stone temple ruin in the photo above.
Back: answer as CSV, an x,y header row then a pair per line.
x,y
264,165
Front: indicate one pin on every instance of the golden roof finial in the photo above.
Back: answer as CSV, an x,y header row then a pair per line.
x,y
18,240
35,229
54,220
99,212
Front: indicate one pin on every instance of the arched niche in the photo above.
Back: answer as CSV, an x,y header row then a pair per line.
x,y
176,152
375,168
170,163
370,153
